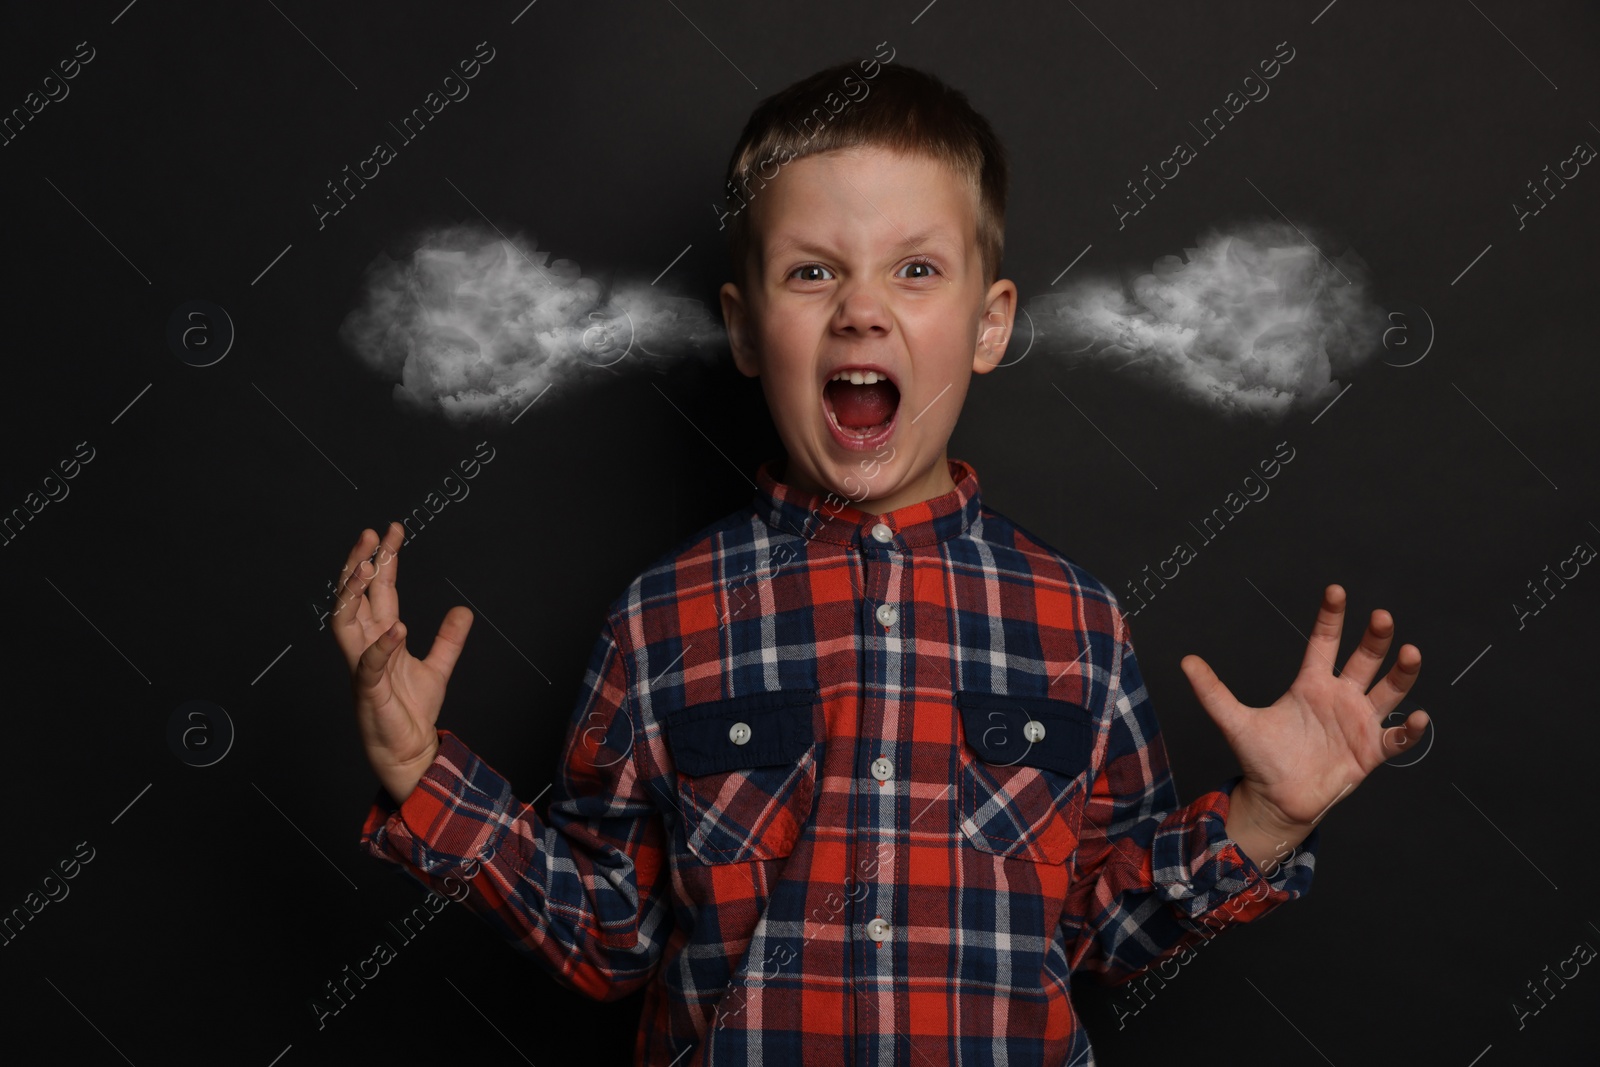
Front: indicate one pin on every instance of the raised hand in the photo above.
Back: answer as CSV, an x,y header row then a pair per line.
x,y
1319,740
397,696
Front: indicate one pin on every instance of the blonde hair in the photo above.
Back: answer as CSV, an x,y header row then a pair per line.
x,y
867,103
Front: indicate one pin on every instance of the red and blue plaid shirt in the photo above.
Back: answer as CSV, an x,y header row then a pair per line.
x,y
847,788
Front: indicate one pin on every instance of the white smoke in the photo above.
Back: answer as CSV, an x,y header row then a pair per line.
x,y
475,326
1252,322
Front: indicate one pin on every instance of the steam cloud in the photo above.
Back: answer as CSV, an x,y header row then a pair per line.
x,y
475,326
1253,322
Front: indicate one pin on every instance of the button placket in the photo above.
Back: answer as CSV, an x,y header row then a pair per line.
x,y
882,562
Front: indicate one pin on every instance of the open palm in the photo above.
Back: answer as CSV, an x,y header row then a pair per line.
x,y
1318,741
397,696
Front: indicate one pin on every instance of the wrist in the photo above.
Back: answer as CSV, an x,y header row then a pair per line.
x,y
1264,813
400,779
1262,833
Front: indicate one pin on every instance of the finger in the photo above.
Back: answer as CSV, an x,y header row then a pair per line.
x,y
1323,647
1368,656
1219,702
1404,738
448,641
342,592
360,551
1398,682
381,594
372,667
345,616
347,608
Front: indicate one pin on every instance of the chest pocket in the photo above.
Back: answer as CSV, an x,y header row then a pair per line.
x,y
1024,773
747,773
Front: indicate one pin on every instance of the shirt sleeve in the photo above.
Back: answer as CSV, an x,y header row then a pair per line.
x,y
583,892
1151,876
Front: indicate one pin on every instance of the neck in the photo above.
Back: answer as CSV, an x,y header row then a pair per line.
x,y
934,482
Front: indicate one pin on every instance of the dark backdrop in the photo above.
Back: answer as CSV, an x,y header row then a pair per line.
x,y
188,559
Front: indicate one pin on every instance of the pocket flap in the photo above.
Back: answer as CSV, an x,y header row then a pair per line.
x,y
997,729
778,730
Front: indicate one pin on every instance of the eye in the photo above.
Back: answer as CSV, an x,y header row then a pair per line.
x,y
923,264
809,267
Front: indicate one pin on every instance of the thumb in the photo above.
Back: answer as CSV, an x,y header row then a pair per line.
x,y
1216,698
447,643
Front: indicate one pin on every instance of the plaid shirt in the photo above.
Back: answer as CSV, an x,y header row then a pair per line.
x,y
847,788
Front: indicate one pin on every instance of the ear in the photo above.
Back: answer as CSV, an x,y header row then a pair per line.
x,y
994,329
736,318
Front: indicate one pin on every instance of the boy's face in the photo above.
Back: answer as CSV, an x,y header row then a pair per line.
x,y
865,256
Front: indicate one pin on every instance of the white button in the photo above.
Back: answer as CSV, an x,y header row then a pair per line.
x,y
882,769
883,533
878,930
887,614
739,733
1033,730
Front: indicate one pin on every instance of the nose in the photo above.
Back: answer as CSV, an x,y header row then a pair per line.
x,y
862,310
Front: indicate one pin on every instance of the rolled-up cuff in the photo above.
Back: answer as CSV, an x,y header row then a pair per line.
x,y
1199,868
458,813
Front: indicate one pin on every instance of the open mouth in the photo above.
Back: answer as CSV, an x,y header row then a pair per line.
x,y
861,404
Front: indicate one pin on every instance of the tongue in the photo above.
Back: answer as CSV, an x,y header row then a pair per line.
x,y
860,406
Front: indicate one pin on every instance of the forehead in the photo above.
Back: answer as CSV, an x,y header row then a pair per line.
x,y
869,197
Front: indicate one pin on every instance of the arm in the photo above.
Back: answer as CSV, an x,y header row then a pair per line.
x,y
1152,876
1300,755
584,892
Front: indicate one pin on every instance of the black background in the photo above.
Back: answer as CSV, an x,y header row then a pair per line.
x,y
192,549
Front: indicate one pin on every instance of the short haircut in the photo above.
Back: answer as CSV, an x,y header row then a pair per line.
x,y
848,106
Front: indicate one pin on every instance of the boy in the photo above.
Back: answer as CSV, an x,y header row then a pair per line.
x,y
865,780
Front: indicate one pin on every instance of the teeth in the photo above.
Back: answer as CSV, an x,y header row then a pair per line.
x,y
855,377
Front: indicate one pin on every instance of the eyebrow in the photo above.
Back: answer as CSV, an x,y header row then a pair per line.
x,y
786,245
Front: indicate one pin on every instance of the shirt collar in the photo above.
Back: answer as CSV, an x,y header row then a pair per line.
x,y
837,521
